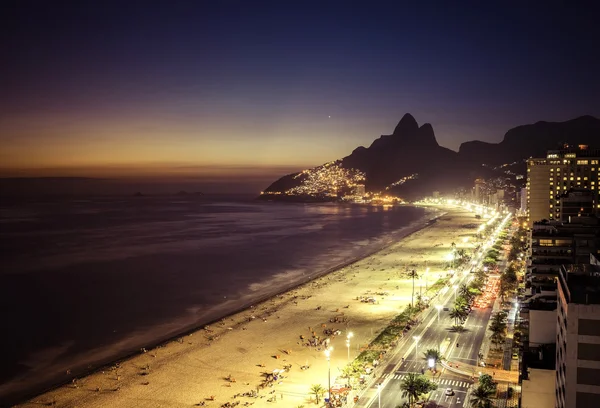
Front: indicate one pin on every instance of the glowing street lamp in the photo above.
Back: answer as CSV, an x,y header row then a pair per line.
x,y
348,336
438,307
328,356
431,363
416,339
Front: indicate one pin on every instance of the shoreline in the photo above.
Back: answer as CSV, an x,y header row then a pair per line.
x,y
425,221
225,353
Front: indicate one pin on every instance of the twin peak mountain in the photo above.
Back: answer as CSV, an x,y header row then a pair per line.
x,y
413,149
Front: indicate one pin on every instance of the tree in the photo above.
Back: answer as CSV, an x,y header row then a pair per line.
x,y
433,354
481,397
490,262
458,314
414,385
318,391
498,327
486,381
465,292
498,323
413,274
508,281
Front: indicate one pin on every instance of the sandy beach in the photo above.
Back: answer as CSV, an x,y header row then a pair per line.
x,y
229,358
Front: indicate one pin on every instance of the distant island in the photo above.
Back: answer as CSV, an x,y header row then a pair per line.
x,y
185,193
409,163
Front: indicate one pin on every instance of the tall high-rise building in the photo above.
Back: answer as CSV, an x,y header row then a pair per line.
x,y
576,203
479,191
523,197
578,336
562,170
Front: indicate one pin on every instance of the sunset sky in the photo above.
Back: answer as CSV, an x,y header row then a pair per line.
x,y
223,88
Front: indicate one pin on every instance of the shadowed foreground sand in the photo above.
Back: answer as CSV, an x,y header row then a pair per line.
x,y
229,357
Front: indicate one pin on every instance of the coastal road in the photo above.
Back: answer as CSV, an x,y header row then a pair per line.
x,y
458,347
436,335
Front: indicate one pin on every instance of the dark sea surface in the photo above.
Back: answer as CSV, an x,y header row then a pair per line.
x,y
85,281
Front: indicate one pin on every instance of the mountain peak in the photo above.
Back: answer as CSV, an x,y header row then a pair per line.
x,y
427,136
407,124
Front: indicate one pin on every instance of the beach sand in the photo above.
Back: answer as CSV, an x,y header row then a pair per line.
x,y
189,370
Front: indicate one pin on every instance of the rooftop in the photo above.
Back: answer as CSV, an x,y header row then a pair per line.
x,y
538,390
581,283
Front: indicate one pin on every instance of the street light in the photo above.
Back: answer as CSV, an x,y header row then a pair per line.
x,y
438,307
431,363
379,395
328,356
455,287
348,336
416,339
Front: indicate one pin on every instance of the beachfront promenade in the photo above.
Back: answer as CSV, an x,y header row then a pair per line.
x,y
232,358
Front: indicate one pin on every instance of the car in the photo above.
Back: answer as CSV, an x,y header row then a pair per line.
x,y
446,309
449,392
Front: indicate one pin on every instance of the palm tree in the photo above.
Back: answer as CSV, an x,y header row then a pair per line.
x,y
318,391
481,397
413,274
498,324
458,314
465,292
410,387
433,354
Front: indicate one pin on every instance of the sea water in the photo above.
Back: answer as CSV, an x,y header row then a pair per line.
x,y
84,281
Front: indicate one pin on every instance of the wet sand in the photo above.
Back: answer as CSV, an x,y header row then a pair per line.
x,y
230,357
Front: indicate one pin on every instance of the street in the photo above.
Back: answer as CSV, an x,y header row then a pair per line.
x,y
435,332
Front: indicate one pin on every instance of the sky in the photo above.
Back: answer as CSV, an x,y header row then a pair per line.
x,y
255,89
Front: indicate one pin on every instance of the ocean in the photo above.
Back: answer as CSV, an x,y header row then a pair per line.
x,y
84,281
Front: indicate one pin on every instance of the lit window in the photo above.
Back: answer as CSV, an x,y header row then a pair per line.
x,y
585,178
571,178
578,178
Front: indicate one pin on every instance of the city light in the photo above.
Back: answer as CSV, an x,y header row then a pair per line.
x,y
348,337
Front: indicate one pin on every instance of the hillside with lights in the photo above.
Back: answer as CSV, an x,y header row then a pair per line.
x,y
394,168
409,163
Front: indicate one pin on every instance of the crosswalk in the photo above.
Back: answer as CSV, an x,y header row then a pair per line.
x,y
444,381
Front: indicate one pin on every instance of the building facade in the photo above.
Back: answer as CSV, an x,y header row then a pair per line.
x,y
560,171
578,337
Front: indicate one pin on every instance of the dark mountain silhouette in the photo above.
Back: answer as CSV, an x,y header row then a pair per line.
x,y
412,149
533,141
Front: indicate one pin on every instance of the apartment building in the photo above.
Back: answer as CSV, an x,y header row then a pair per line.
x,y
578,336
549,178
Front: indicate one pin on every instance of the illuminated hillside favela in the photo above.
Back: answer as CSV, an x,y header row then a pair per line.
x,y
332,182
328,180
403,180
